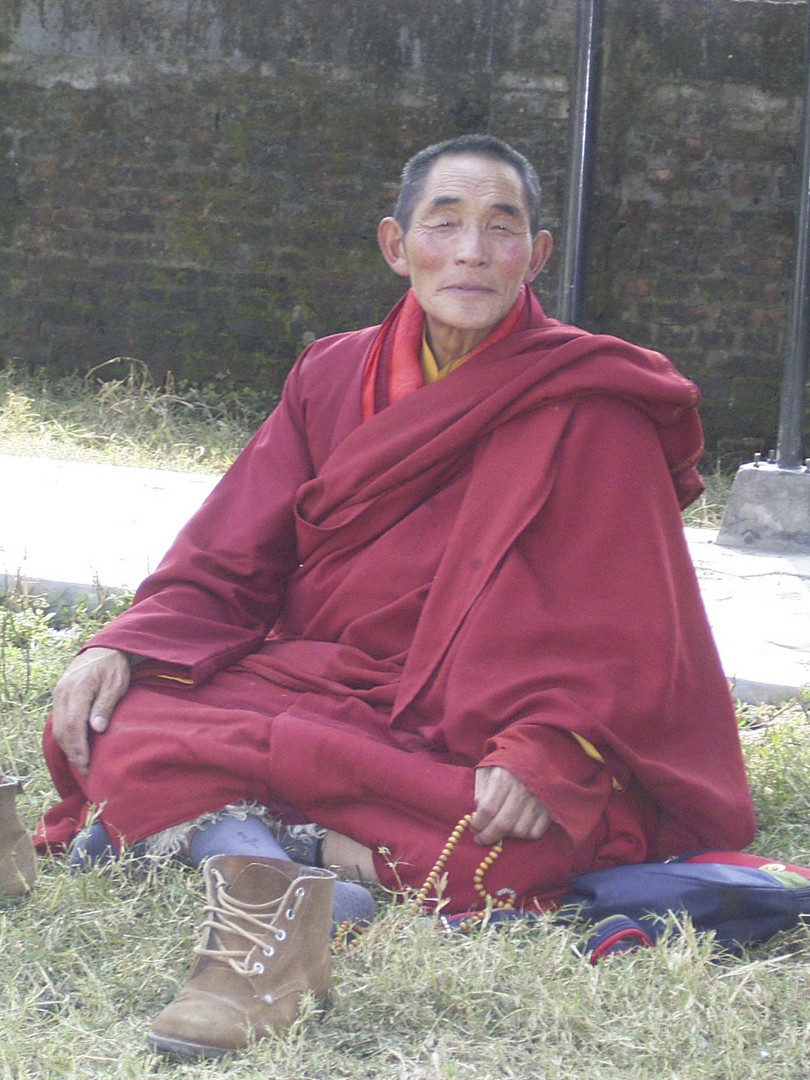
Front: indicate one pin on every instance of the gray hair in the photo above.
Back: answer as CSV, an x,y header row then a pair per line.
x,y
416,169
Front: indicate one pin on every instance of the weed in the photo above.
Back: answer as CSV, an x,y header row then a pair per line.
x,y
116,414
707,510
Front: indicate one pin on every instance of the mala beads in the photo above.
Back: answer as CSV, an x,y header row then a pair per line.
x,y
347,934
432,880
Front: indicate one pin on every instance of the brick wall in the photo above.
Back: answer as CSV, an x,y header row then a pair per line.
x,y
696,205
198,185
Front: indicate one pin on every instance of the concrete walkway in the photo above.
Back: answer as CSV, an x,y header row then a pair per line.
x,y
70,529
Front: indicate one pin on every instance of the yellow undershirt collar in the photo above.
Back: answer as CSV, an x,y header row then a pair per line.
x,y
430,369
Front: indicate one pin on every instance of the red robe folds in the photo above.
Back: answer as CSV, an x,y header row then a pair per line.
x,y
486,568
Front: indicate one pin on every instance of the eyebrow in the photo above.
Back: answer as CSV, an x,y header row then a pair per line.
x,y
452,200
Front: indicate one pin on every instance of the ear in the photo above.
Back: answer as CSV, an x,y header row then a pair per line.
x,y
543,243
392,245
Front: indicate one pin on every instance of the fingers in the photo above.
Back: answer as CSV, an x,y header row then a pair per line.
x,y
84,699
69,722
505,807
528,823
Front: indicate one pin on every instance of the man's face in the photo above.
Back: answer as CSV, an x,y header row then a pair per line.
x,y
468,249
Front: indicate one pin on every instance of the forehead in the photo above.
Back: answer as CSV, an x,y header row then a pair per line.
x,y
470,178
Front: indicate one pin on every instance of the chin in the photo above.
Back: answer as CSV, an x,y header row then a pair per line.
x,y
463,319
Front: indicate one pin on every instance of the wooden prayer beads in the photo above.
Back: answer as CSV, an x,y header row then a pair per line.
x,y
432,880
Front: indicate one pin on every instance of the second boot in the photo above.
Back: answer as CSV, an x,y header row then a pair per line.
x,y
17,858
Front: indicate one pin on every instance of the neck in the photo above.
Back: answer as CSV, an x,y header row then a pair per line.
x,y
448,344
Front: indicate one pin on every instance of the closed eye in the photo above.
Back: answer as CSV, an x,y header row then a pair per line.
x,y
504,226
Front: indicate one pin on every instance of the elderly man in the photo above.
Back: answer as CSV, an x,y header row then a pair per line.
x,y
443,591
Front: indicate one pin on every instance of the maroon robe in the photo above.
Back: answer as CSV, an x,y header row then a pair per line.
x,y
362,613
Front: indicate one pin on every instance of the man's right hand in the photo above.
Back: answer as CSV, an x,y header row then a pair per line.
x,y
84,700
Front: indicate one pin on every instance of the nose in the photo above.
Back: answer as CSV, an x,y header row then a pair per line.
x,y
472,248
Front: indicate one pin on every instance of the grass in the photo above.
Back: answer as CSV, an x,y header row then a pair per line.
x,y
707,511
88,960
116,414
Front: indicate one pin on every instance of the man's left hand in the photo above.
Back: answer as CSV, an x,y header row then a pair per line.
x,y
505,807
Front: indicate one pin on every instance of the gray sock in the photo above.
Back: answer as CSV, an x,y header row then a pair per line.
x,y
229,835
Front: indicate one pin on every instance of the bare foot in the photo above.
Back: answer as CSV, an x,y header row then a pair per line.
x,y
344,854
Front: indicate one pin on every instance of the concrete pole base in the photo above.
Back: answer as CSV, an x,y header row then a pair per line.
x,y
768,510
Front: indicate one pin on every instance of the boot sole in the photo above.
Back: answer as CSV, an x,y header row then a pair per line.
x,y
13,900
191,1051
187,1051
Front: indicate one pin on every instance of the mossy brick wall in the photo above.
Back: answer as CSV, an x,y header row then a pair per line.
x,y
696,198
198,185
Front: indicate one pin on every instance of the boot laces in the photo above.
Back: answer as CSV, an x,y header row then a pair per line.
x,y
226,915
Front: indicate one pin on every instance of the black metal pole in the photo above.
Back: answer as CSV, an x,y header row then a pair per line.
x,y
582,136
794,382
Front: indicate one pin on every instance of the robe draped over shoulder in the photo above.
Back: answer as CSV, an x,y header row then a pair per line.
x,y
490,571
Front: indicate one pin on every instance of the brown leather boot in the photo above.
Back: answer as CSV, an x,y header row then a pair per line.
x,y
17,860
265,941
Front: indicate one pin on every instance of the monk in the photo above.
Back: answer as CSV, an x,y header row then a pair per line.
x,y
443,591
